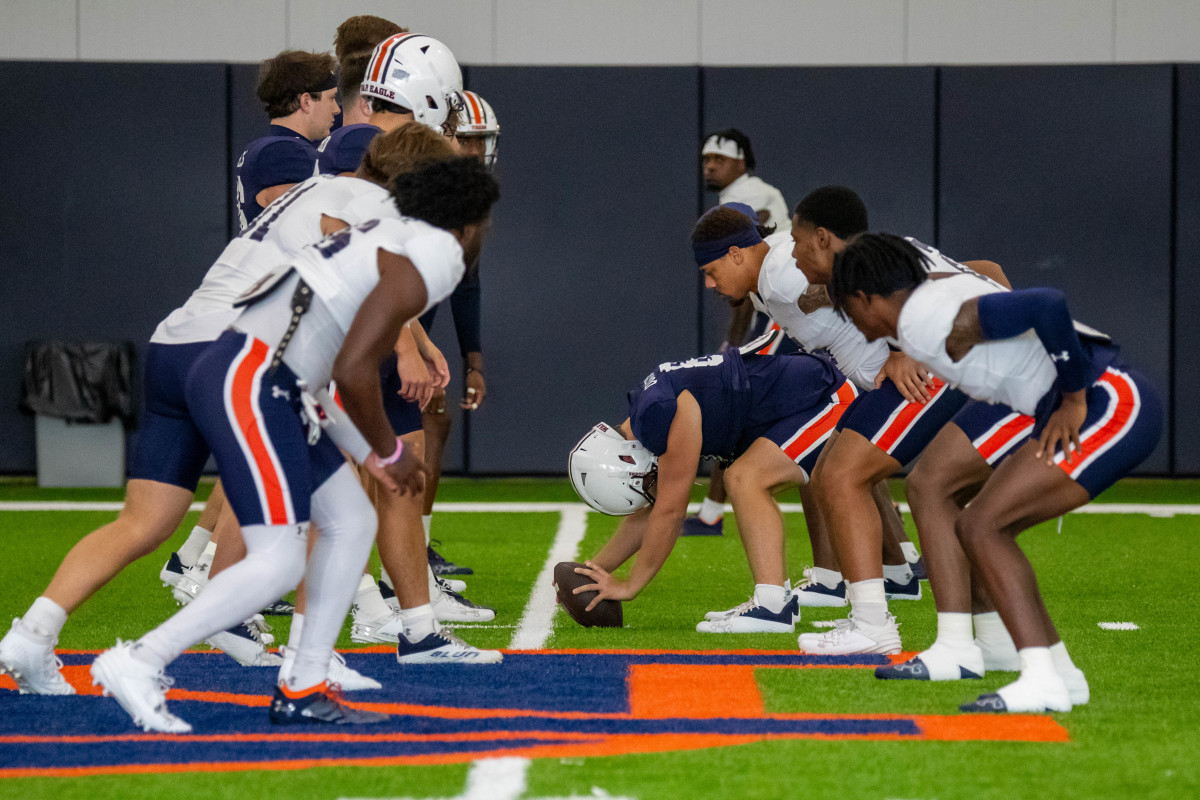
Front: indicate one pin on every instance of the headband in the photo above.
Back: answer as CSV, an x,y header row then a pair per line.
x,y
717,145
707,252
330,82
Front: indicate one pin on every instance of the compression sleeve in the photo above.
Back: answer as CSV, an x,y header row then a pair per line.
x,y
341,429
464,303
1003,315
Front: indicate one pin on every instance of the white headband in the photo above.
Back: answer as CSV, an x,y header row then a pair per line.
x,y
716,145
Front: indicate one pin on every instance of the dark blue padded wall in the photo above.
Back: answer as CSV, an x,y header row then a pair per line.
x,y
585,285
112,209
1063,176
1187,271
868,128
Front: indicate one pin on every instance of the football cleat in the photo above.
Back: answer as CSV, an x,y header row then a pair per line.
x,y
247,643
190,583
441,566
389,597
280,608
385,630
1077,686
694,526
139,688
1025,695
938,663
814,594
740,608
30,661
443,647
450,606
755,619
918,569
318,707
852,637
171,572
339,673
903,591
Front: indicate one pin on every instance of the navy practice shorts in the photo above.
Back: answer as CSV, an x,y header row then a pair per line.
x,y
252,420
169,446
897,427
802,435
996,431
404,415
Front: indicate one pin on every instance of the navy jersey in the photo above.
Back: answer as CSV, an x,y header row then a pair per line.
x,y
281,157
738,397
343,150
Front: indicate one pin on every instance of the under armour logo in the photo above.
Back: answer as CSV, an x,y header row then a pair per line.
x,y
1063,356
276,393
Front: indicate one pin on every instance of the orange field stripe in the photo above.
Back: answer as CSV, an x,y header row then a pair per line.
x,y
667,691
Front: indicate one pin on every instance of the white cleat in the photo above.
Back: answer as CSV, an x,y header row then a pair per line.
x,y
190,583
139,688
384,630
349,680
938,663
811,593
449,606
247,643
454,585
443,647
1077,686
1025,695
31,662
740,608
755,619
852,637
171,572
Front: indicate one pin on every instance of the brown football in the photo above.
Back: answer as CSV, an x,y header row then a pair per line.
x,y
607,614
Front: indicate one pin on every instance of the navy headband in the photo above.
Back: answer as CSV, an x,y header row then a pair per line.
x,y
328,83
708,252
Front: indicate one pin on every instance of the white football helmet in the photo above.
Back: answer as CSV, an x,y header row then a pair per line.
x,y
478,119
612,474
417,72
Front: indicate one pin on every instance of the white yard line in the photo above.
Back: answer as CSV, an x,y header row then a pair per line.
x,y
538,617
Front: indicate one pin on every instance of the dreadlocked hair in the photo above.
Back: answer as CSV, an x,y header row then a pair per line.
x,y
875,264
722,221
448,194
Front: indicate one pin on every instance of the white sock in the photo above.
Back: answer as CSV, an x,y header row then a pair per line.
x,y
1037,664
771,597
910,552
826,577
991,633
206,556
419,622
197,540
954,629
1062,660
295,631
368,601
427,523
44,619
898,573
868,601
711,511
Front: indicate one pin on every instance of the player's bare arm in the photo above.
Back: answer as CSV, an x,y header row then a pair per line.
x,y
990,269
399,296
332,224
416,383
815,297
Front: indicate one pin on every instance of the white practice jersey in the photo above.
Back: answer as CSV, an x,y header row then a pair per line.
x,y
282,230
342,270
761,196
781,284
1016,372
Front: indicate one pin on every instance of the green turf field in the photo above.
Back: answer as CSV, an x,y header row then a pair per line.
x,y
1137,737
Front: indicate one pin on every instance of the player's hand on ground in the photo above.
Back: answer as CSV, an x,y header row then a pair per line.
x,y
1062,429
606,586
416,381
911,378
476,390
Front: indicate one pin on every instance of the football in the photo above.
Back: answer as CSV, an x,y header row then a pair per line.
x,y
605,615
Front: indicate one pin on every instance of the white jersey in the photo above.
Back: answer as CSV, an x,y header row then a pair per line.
x,y
1016,372
281,231
781,284
341,271
761,196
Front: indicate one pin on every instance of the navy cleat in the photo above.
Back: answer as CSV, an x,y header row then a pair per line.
x,y
755,619
986,704
280,608
903,591
171,572
321,706
443,647
918,569
694,526
441,566
916,670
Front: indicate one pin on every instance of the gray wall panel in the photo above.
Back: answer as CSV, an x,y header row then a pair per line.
x,y
1062,175
114,206
868,128
586,286
1187,272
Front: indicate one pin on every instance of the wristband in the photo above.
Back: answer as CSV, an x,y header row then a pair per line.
x,y
394,457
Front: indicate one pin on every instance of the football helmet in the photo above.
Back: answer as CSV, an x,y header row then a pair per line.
x,y
478,119
417,72
612,474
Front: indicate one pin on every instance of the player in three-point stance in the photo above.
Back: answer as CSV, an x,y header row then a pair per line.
x,y
1096,420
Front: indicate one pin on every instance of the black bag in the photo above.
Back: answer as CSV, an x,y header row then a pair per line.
x,y
80,381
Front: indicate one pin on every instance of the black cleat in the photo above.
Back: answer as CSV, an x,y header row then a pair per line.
x,y
987,704
280,608
320,707
694,526
441,566
918,569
